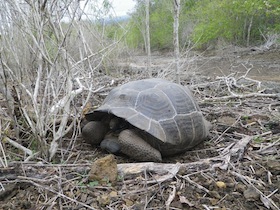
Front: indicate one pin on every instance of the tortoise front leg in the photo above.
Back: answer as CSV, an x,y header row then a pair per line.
x,y
137,148
94,132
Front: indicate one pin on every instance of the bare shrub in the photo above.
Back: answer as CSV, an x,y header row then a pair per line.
x,y
49,55
270,41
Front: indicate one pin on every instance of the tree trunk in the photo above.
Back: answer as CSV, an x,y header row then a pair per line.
x,y
148,45
249,31
176,4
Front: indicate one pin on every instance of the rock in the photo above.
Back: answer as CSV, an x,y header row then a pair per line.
x,y
227,120
221,184
113,194
128,202
215,194
274,166
107,198
240,188
103,200
104,170
251,194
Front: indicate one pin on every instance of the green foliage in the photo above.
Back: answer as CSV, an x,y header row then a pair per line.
x,y
161,25
206,21
93,183
104,181
245,117
238,21
134,37
259,139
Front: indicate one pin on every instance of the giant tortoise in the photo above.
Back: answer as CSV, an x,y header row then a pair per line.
x,y
147,120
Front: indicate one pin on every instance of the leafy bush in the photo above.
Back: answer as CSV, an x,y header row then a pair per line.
x,y
239,22
206,21
161,26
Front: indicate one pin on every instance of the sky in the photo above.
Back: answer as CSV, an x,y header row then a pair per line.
x,y
121,7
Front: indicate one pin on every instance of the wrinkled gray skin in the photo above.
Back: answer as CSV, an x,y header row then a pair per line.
x,y
147,120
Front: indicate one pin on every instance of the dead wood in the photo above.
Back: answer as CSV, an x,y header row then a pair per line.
x,y
162,168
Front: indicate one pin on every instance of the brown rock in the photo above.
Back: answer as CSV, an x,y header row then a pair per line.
x,y
221,184
240,188
104,170
274,166
215,194
103,200
251,194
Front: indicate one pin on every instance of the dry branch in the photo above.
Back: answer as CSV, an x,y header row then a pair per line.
x,y
171,197
187,178
237,151
18,146
166,171
45,67
242,96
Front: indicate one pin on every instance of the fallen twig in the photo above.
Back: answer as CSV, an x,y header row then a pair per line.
x,y
163,168
18,146
241,96
187,178
237,151
3,161
171,197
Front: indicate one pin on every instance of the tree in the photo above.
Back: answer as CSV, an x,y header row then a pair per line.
x,y
239,22
148,45
176,5
203,22
160,25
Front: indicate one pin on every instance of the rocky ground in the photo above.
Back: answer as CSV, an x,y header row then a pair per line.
x,y
237,168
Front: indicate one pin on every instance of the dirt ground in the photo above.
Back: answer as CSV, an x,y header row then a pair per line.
x,y
260,64
238,167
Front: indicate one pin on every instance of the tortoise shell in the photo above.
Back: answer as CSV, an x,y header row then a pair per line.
x,y
165,110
